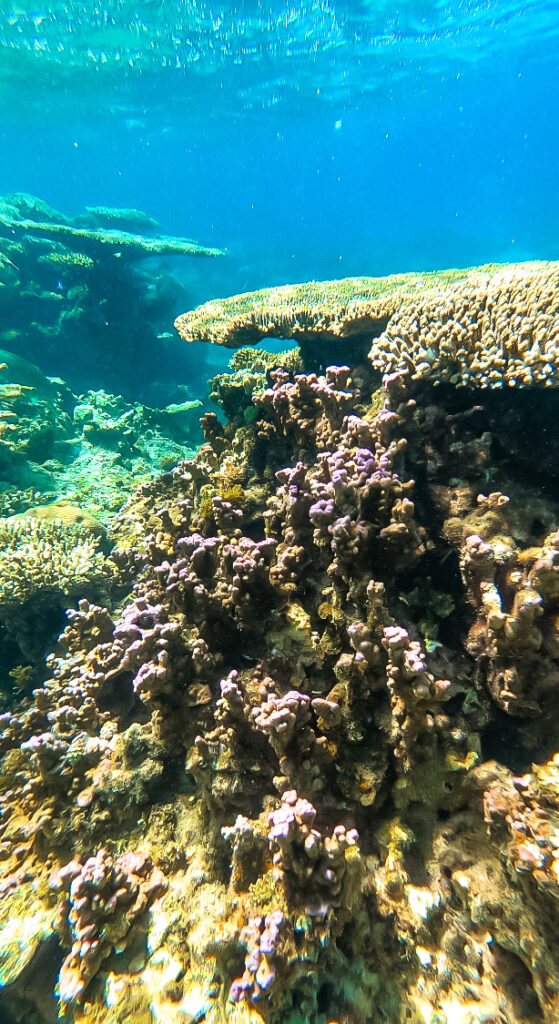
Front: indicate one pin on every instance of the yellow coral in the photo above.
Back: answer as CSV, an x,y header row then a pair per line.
x,y
40,555
485,326
68,259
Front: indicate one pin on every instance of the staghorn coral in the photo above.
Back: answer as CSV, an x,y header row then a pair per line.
x,y
354,818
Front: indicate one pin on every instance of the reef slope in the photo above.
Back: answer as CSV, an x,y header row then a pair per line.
x,y
308,772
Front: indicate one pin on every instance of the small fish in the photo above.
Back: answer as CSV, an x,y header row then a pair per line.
x,y
165,334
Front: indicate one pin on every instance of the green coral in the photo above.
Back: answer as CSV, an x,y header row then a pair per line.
x,y
314,306
122,243
68,259
109,218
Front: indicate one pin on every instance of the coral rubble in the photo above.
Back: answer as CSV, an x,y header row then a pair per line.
x,y
307,773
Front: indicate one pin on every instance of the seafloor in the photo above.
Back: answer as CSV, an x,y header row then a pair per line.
x,y
297,763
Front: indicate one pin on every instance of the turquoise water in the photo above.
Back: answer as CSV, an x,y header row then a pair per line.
x,y
307,140
279,639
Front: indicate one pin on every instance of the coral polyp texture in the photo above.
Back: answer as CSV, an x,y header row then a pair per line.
x,y
488,326
303,768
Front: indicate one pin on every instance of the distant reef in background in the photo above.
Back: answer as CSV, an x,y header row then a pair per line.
x,y
88,298
294,758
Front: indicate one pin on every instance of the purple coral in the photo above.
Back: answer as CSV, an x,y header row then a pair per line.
x,y
103,898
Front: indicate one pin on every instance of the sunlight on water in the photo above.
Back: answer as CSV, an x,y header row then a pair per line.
x,y
279,512
325,49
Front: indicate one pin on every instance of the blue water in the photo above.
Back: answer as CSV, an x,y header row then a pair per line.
x,y
308,140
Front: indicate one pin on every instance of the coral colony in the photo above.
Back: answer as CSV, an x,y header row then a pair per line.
x,y
296,762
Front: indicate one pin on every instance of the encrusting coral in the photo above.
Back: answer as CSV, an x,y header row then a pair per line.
x,y
273,786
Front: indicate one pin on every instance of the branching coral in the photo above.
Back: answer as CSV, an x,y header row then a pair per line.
x,y
104,898
351,813
40,556
247,377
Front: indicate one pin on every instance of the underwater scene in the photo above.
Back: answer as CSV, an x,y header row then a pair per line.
x,y
279,512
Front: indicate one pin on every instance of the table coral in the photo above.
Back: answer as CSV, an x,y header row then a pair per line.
x,y
337,307
98,241
79,299
490,326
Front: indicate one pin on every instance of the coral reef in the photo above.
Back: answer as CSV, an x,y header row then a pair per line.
x,y
112,232
103,899
90,449
67,464
246,377
489,326
306,771
88,298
